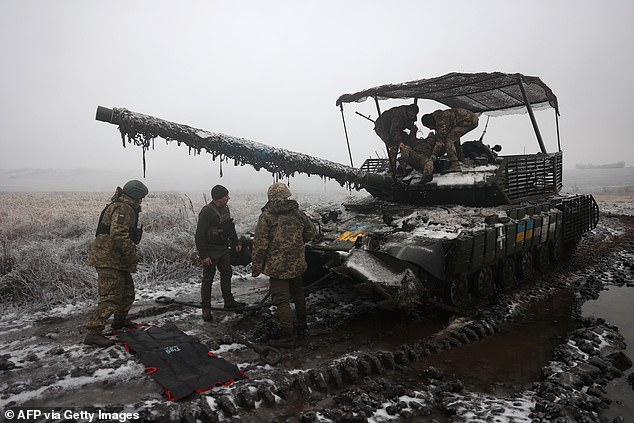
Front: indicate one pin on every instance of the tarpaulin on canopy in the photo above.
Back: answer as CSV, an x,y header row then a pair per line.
x,y
478,92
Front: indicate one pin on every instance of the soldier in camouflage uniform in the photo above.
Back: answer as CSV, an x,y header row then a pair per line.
x,y
278,251
114,254
215,237
450,125
420,157
391,126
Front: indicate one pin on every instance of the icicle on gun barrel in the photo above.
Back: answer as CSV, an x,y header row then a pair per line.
x,y
141,130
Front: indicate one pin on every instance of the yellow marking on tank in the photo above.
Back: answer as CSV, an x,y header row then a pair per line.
x,y
351,236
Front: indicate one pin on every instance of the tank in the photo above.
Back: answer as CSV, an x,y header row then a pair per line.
x,y
455,239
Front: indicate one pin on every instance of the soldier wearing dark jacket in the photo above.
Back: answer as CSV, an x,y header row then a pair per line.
x,y
391,126
278,252
114,254
450,125
215,237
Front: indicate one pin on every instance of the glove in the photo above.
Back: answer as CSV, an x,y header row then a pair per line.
x,y
433,157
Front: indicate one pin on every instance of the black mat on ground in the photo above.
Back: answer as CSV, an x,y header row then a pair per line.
x,y
177,361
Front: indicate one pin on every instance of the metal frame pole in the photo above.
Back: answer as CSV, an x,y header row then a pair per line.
x,y
557,123
532,116
345,130
387,148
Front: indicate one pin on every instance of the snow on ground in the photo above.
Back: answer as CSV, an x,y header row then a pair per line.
x,y
482,408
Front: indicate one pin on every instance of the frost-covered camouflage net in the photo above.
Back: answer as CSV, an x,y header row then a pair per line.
x,y
142,129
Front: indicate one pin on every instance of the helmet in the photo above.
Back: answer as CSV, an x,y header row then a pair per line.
x,y
218,191
428,121
278,191
413,108
135,189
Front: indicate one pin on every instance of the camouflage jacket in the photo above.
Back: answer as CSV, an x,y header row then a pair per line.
x,y
116,249
278,244
214,232
391,124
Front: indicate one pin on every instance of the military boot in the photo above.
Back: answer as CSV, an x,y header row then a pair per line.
x,y
232,303
98,339
302,329
285,339
207,316
454,166
120,323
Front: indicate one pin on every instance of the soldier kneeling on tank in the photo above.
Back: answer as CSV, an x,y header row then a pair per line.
x,y
419,156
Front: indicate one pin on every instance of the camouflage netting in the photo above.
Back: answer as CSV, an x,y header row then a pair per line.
x,y
143,129
479,92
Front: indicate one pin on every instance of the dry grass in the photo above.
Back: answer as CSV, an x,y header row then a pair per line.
x,y
45,237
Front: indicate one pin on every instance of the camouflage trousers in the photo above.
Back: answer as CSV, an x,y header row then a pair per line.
x,y
419,158
392,145
209,272
116,295
282,291
452,140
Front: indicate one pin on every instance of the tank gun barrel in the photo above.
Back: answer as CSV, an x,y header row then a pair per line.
x,y
143,129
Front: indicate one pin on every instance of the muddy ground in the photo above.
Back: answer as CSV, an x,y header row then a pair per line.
x,y
527,355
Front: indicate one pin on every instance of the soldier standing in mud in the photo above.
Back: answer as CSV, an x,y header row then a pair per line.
x,y
450,125
278,251
390,126
114,254
215,237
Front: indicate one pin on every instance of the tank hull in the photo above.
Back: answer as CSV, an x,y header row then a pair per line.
x,y
457,253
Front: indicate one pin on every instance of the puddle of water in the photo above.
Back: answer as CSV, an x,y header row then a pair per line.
x,y
512,359
374,331
615,305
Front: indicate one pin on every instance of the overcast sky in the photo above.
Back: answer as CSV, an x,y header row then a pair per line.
x,y
270,71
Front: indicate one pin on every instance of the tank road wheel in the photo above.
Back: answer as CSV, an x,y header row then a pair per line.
x,y
527,265
483,282
507,276
457,290
543,259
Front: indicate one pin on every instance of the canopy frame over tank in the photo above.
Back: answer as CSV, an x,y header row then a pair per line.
x,y
517,177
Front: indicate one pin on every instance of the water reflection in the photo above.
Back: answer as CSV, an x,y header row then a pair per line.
x,y
512,359
615,305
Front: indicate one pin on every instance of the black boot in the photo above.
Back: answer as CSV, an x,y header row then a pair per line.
x,y
232,303
454,167
119,323
301,331
207,316
98,339
301,328
286,339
